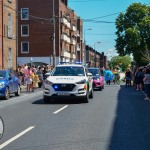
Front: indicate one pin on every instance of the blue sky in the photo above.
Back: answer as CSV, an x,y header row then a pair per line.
x,y
102,10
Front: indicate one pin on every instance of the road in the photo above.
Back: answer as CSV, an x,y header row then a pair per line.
x,y
117,118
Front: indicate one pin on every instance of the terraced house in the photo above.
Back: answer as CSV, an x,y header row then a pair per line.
x,y
49,32
8,38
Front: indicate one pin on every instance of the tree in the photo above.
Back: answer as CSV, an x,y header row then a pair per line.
x,y
123,62
146,56
133,32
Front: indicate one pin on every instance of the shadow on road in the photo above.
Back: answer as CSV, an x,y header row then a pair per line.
x,y
131,130
58,101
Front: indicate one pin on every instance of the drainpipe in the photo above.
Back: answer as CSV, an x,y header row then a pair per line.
x,y
2,38
16,34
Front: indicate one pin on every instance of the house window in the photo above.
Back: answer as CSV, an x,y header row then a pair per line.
x,y
24,47
9,58
9,31
24,30
24,14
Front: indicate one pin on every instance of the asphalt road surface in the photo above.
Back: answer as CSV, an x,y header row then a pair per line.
x,y
117,118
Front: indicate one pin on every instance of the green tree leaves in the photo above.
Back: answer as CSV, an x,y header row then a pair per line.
x,y
133,32
123,62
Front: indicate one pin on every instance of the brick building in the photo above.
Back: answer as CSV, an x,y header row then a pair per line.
x,y
8,38
96,59
36,24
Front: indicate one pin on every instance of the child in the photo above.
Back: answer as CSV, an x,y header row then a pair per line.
x,y
35,82
29,83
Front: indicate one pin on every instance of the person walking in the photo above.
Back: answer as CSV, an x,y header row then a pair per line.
x,y
128,77
108,76
139,79
146,80
35,82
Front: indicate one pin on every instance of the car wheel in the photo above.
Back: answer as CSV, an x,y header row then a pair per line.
x,y
7,94
46,99
91,94
18,91
103,86
100,88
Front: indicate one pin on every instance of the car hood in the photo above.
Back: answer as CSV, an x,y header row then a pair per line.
x,y
68,79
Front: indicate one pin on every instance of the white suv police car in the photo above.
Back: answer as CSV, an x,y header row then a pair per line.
x,y
68,81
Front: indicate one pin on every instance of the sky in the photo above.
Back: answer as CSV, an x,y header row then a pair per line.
x,y
102,36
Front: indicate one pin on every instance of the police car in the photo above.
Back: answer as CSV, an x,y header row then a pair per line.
x,y
68,81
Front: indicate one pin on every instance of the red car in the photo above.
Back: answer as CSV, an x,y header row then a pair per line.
x,y
98,78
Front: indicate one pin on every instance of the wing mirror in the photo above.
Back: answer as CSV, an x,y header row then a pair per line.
x,y
47,75
89,74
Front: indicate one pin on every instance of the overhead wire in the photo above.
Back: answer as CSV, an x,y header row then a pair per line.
x,y
85,20
49,21
86,0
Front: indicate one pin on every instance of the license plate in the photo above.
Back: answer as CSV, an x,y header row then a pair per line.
x,y
63,94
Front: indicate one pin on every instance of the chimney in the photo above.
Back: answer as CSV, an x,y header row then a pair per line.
x,y
65,2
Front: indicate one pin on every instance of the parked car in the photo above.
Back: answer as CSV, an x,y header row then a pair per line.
x,y
9,84
98,78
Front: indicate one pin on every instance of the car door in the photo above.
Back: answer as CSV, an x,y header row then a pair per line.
x,y
10,82
15,81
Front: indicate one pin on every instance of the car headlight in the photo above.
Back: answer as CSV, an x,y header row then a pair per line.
x,y
2,84
48,82
81,82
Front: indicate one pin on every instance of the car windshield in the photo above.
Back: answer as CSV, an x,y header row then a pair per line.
x,y
95,72
2,74
68,71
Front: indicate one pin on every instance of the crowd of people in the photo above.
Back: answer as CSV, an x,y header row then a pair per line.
x,y
139,77
28,75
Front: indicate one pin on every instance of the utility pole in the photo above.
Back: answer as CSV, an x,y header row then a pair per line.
x,y
85,46
54,27
95,53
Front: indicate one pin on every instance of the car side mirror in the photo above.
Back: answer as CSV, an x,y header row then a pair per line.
x,y
89,74
48,74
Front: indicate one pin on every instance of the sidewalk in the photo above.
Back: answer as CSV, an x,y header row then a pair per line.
x,y
24,89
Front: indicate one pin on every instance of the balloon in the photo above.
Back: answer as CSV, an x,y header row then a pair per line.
x,y
108,75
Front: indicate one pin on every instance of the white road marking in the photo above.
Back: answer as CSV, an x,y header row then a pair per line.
x,y
56,112
16,137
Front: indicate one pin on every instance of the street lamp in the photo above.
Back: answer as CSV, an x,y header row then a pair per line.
x,y
85,46
31,61
95,52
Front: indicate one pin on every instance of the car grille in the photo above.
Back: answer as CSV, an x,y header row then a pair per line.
x,y
63,87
